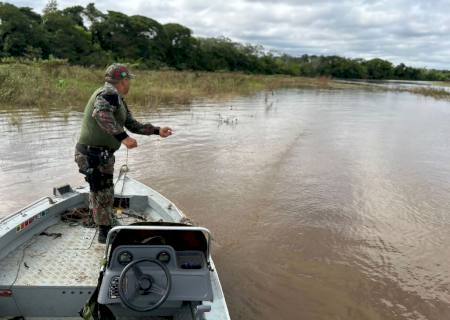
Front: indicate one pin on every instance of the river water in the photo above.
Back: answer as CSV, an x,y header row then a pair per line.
x,y
323,204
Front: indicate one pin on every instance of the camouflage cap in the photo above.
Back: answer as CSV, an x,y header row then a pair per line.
x,y
116,72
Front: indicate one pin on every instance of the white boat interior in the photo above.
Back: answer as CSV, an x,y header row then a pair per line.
x,y
155,265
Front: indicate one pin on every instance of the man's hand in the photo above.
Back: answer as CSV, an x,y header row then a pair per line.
x,y
165,132
129,142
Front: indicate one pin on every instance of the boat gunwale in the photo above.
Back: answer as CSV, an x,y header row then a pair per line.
x,y
173,211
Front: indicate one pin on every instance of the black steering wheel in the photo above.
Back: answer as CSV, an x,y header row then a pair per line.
x,y
138,292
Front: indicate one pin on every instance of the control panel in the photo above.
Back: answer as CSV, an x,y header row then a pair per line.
x,y
188,270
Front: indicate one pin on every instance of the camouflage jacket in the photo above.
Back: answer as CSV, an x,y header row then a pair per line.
x,y
106,103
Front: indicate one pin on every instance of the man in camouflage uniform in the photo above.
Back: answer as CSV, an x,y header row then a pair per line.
x,y
102,132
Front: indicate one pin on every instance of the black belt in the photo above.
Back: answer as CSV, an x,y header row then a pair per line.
x,y
85,149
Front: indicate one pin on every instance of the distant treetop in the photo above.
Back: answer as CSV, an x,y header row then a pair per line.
x,y
89,37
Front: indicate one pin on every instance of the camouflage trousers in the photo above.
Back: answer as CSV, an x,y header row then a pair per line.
x,y
101,202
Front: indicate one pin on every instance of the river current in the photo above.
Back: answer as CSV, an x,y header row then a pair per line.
x,y
323,204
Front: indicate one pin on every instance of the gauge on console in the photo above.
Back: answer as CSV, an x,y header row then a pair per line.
x,y
125,257
163,256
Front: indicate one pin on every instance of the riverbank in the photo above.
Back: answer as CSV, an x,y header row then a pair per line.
x,y
439,94
56,85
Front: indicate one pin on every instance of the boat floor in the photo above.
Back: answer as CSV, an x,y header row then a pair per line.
x,y
65,255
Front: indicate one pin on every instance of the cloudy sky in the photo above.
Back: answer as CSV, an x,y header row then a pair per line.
x,y
415,32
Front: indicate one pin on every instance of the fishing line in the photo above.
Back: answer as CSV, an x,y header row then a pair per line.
x,y
122,172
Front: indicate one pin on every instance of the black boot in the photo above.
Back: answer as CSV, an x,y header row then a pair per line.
x,y
103,233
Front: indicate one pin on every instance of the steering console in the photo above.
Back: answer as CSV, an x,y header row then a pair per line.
x,y
141,292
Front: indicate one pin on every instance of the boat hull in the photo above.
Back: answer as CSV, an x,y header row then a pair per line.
x,y
51,267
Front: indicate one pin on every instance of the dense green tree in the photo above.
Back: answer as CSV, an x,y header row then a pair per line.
x,y
66,39
224,54
180,46
150,38
76,15
115,36
135,37
20,31
93,14
379,69
404,72
212,54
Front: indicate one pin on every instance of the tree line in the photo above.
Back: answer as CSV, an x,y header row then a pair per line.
x,y
86,36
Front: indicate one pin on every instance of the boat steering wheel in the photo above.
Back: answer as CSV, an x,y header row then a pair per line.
x,y
140,286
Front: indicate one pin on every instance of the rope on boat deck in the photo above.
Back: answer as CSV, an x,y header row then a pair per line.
x,y
78,216
21,262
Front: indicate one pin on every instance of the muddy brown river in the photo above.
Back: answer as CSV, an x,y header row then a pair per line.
x,y
323,204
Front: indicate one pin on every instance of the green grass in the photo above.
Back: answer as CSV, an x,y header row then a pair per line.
x,y
439,94
56,85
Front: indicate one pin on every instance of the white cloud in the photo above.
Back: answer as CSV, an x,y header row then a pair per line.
x,y
400,30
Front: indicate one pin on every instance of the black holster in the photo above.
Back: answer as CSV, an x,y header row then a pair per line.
x,y
96,158
97,180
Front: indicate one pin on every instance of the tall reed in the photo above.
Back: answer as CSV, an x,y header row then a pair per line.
x,y
57,85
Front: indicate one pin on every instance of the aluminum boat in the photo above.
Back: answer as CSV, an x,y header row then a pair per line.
x,y
155,265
